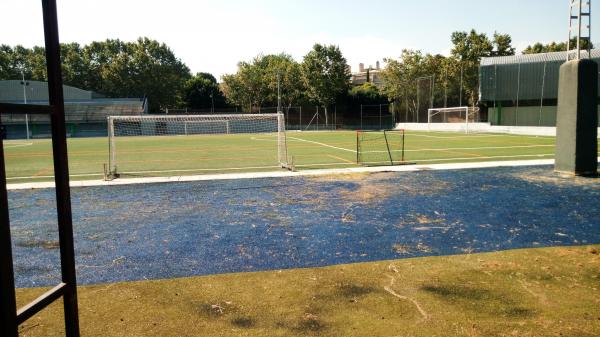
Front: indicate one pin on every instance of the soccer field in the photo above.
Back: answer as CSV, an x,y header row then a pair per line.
x,y
28,161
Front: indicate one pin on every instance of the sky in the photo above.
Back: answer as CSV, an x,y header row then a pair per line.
x,y
214,35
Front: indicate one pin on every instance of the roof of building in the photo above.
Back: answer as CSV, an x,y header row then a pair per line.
x,y
12,90
535,58
80,105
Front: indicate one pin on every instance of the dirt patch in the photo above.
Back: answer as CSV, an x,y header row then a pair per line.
x,y
549,177
410,249
46,244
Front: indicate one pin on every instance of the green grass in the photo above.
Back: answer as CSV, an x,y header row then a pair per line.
x,y
525,293
29,161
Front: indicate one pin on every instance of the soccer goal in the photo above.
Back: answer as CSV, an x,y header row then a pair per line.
x,y
193,144
453,119
380,148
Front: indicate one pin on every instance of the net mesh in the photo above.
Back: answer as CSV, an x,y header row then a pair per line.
x,y
380,147
453,115
195,141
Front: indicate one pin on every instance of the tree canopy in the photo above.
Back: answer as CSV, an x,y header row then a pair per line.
x,y
112,67
255,83
539,47
202,92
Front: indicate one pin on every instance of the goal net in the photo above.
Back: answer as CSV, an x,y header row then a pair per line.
x,y
456,119
380,147
176,144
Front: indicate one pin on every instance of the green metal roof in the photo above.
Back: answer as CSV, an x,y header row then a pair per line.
x,y
523,77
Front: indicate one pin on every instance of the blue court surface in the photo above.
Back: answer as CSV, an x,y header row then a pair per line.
x,y
157,231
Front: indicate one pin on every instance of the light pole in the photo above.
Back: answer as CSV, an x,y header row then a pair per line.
x,y
278,92
25,84
212,102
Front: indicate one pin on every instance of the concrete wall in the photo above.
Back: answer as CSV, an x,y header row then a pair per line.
x,y
481,128
524,116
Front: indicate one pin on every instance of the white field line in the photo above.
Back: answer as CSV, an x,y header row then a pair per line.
x,y
283,174
10,146
475,136
322,144
468,148
342,159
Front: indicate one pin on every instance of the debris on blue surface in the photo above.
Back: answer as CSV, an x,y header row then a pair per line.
x,y
158,231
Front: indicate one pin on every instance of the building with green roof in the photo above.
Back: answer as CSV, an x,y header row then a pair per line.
x,y
522,90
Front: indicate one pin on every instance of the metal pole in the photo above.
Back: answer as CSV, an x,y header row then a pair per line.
x,y
278,93
380,125
542,97
25,84
461,84
518,93
579,33
361,117
432,91
418,101
8,305
335,117
61,168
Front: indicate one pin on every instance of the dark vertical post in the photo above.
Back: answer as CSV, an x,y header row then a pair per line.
x,y
357,147
577,118
8,306
61,168
403,133
387,145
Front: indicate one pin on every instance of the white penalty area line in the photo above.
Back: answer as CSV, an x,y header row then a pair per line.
x,y
9,145
479,135
468,148
321,144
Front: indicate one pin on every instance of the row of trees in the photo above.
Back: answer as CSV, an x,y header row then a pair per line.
x,y
149,68
322,76
112,67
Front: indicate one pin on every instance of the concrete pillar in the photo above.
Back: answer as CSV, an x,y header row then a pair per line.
x,y
577,118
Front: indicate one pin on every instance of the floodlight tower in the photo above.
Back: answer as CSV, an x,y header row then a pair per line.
x,y
580,27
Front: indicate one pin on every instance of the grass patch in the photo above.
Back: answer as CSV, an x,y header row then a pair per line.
x,y
531,292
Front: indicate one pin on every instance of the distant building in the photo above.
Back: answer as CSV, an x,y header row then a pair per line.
x,y
367,75
85,111
522,89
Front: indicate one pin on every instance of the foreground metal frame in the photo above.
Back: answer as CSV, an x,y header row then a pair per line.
x,y
10,317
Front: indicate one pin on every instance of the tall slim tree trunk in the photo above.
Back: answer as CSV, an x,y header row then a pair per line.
x,y
326,116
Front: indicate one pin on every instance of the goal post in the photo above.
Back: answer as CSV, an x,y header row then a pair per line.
x,y
184,142
453,117
381,148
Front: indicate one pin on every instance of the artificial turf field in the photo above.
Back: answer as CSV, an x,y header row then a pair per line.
x,y
30,161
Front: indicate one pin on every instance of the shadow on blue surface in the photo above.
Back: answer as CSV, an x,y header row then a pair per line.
x,y
139,232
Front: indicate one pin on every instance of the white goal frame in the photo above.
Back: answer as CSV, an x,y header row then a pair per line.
x,y
470,115
187,123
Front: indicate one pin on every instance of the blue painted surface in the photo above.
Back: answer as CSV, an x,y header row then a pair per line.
x,y
160,231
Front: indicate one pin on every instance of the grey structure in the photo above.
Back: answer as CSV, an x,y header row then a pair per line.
x,y
523,89
86,111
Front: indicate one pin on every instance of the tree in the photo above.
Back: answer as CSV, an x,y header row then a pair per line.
x,y
112,67
202,91
326,75
255,83
538,47
502,45
469,48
